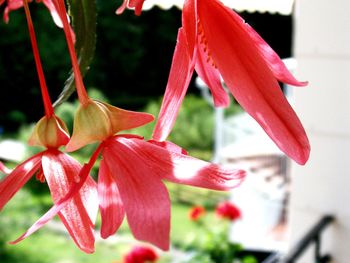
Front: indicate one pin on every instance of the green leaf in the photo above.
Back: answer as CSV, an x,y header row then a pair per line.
x,y
83,14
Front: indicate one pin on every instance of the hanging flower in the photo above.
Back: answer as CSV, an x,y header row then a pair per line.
x,y
12,5
132,170
228,211
131,4
216,42
141,254
196,213
61,172
131,173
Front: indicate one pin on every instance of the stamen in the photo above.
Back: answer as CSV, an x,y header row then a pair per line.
x,y
203,41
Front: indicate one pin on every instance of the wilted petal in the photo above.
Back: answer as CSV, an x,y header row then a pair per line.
x,y
180,76
17,178
111,206
183,169
250,80
145,198
61,172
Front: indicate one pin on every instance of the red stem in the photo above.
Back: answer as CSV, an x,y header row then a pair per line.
x,y
44,91
82,94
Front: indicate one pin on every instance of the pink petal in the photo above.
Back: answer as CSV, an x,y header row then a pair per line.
x,y
11,6
211,77
189,23
274,62
183,169
55,16
111,206
121,9
137,4
17,178
180,76
61,172
170,146
250,80
145,198
84,173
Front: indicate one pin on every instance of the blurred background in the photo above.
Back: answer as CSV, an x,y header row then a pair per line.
x,y
279,202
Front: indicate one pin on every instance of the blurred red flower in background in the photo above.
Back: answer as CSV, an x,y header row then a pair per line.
x,y
228,210
196,213
139,254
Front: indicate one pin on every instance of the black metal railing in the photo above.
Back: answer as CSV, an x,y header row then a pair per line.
x,y
313,236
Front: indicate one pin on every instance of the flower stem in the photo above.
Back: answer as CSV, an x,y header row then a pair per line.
x,y
44,92
82,94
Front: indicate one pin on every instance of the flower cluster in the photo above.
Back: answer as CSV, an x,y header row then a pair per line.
x,y
131,169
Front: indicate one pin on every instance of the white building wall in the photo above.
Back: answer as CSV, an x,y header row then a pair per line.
x,y
322,49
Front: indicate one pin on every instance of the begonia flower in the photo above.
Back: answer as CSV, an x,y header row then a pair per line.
x,y
12,5
59,170
132,170
131,4
196,213
131,173
216,42
141,254
228,211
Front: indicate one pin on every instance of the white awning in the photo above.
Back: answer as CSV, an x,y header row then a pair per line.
x,y
283,7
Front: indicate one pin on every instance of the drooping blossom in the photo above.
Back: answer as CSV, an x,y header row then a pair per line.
x,y
132,170
12,5
59,170
131,173
216,42
141,254
131,4
228,211
196,213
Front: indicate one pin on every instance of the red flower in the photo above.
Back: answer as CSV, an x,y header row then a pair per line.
x,y
196,213
131,4
140,254
228,210
16,4
132,170
215,41
60,172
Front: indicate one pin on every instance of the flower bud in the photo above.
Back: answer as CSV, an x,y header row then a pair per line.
x,y
50,132
97,121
